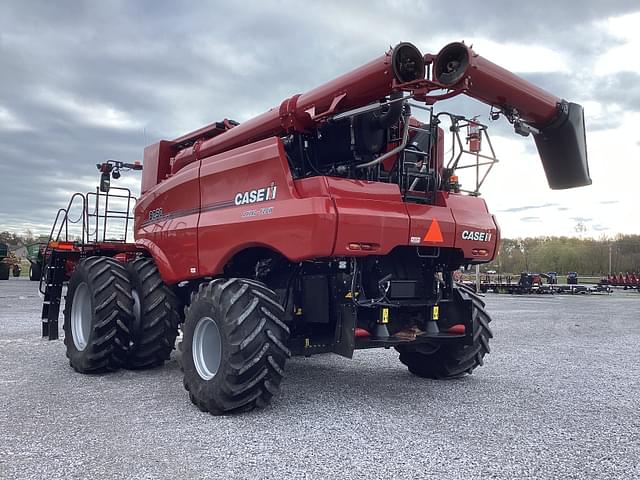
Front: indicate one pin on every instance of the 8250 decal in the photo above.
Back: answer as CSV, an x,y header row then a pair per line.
x,y
155,214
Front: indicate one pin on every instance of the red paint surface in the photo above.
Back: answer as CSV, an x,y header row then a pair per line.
x,y
173,239
494,85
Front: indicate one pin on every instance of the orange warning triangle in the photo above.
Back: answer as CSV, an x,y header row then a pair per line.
x,y
434,235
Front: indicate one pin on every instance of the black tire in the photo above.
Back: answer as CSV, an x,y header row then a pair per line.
x,y
35,272
252,339
451,358
156,314
109,315
4,271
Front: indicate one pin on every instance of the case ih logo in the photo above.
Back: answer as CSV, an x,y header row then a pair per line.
x,y
477,236
255,196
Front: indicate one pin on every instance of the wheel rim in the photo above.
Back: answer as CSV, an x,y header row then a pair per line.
x,y
207,348
81,316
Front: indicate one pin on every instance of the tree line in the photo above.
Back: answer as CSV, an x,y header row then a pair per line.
x,y
587,256
15,240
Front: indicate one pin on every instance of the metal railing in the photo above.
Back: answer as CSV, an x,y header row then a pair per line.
x,y
106,213
481,162
425,172
96,210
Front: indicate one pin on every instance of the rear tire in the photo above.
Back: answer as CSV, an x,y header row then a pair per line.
x,y
98,315
155,327
35,272
451,358
234,347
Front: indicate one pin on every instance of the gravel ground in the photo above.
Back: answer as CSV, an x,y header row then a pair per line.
x,y
559,397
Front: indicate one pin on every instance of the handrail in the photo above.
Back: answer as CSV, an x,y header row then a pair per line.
x,y
60,228
105,214
63,224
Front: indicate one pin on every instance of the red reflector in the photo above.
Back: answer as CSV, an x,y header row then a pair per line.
x,y
61,245
361,332
457,329
120,257
355,246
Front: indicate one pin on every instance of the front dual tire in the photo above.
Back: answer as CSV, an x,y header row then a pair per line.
x,y
118,316
98,316
156,316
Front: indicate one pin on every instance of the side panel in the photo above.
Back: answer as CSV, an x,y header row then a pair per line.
x,y
369,213
463,221
431,226
476,230
166,219
249,199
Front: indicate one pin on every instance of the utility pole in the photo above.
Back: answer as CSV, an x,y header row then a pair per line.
x,y
609,259
477,278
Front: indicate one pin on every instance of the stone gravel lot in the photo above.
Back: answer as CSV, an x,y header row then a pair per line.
x,y
559,397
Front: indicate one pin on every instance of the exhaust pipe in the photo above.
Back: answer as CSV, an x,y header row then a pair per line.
x,y
557,125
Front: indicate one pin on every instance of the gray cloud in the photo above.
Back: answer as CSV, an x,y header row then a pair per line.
x,y
620,88
530,219
85,81
581,219
528,207
609,202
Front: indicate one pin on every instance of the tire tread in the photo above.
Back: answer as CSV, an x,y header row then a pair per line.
x,y
256,335
154,338
453,360
108,342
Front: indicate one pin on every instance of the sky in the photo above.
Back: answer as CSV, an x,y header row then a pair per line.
x,y
82,82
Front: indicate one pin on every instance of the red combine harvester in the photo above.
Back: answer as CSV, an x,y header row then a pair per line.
x,y
327,224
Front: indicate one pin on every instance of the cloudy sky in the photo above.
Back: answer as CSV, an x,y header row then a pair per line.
x,y
81,82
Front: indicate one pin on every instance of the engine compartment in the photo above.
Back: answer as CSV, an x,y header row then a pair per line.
x,y
383,143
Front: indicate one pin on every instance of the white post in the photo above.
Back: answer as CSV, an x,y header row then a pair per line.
x,y
478,278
